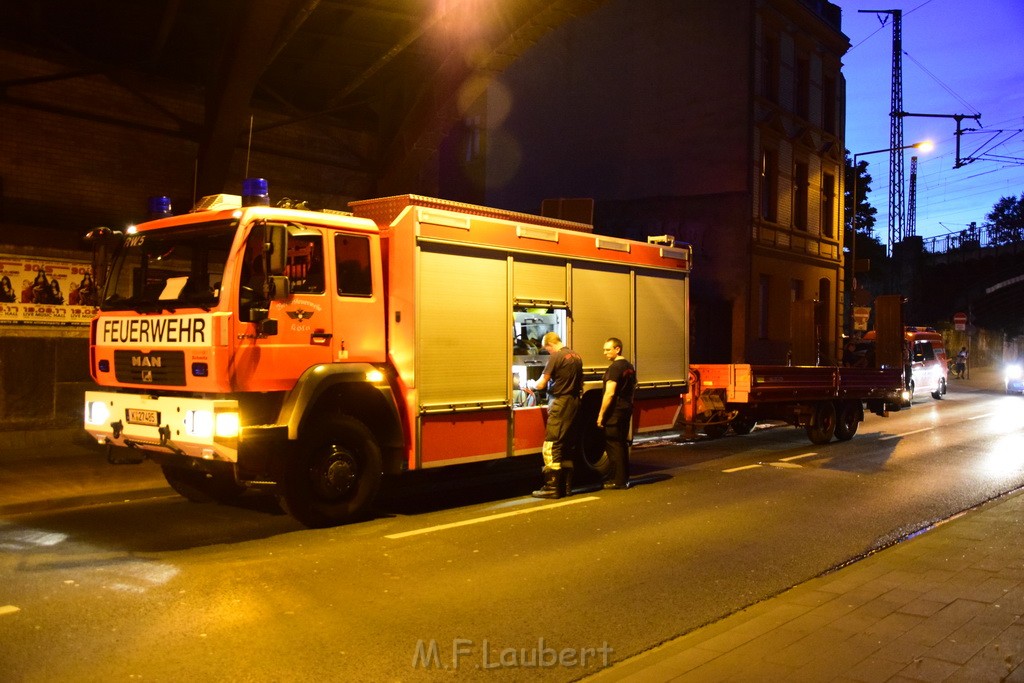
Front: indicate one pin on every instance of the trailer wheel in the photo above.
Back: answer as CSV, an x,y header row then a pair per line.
x,y
848,419
823,424
334,476
202,487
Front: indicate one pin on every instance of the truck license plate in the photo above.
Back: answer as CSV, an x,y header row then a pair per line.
x,y
143,417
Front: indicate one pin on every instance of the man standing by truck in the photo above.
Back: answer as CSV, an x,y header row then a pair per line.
x,y
616,412
564,372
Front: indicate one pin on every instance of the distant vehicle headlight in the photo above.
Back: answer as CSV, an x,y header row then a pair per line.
x,y
1013,372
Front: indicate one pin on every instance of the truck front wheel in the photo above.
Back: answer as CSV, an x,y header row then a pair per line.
x,y
335,474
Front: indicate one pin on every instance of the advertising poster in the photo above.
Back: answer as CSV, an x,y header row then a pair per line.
x,y
46,291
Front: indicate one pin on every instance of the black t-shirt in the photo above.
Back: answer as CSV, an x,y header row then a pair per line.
x,y
621,372
565,373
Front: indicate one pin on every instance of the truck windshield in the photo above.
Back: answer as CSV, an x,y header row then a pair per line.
x,y
169,269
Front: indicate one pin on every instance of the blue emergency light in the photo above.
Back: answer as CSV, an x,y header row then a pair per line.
x,y
159,207
255,192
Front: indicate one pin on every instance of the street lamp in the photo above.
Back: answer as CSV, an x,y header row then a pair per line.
x,y
924,146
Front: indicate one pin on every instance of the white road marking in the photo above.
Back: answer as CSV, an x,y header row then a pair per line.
x,y
900,436
490,518
8,609
737,469
797,457
980,417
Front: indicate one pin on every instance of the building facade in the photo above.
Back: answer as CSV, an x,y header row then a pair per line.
x,y
720,124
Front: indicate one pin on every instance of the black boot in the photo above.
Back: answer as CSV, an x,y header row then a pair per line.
x,y
566,479
554,481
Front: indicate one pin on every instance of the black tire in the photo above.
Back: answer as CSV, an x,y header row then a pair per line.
x,y
202,487
848,417
940,391
823,424
715,430
334,475
590,460
743,424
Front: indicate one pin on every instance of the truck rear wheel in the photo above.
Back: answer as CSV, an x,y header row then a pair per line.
x,y
202,487
823,423
335,475
848,419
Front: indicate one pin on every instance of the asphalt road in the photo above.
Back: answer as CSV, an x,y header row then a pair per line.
x,y
467,576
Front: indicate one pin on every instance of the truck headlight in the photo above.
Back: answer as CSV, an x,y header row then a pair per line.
x,y
226,425
199,423
205,424
96,413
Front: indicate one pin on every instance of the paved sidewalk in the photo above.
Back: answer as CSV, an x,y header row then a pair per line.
x,y
67,471
944,605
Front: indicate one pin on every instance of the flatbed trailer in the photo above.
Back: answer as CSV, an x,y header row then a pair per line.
x,y
826,400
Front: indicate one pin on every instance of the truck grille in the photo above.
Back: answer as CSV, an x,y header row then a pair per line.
x,y
166,368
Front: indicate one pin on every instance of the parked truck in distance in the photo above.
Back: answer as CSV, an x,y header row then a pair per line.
x,y
828,401
309,353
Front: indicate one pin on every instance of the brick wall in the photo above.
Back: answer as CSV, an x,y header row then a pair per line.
x,y
86,151
42,381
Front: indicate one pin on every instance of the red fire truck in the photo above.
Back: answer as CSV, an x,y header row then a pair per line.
x,y
312,352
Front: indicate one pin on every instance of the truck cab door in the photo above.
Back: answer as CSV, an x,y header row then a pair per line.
x,y
357,298
272,359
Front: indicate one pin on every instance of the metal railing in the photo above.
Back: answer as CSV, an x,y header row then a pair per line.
x,y
972,238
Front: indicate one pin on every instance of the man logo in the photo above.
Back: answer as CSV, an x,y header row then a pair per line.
x,y
147,376
300,314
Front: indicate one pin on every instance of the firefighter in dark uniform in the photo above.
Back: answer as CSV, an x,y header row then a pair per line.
x,y
563,374
616,412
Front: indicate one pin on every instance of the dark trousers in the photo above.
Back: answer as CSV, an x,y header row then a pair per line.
x,y
616,445
558,431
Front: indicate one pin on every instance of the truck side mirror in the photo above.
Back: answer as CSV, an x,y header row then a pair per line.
x,y
265,325
105,242
280,287
277,248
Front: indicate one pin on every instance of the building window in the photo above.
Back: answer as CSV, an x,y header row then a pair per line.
x,y
796,290
803,88
770,69
800,188
828,205
769,185
763,290
828,104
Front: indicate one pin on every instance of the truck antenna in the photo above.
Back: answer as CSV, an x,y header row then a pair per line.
x,y
248,149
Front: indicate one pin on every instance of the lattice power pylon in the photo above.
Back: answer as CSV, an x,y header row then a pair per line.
x,y
912,200
896,175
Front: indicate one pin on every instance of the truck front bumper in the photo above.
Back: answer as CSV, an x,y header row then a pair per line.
x,y
193,427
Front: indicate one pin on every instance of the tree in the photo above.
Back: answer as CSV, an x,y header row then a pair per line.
x,y
865,212
868,248
1006,221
